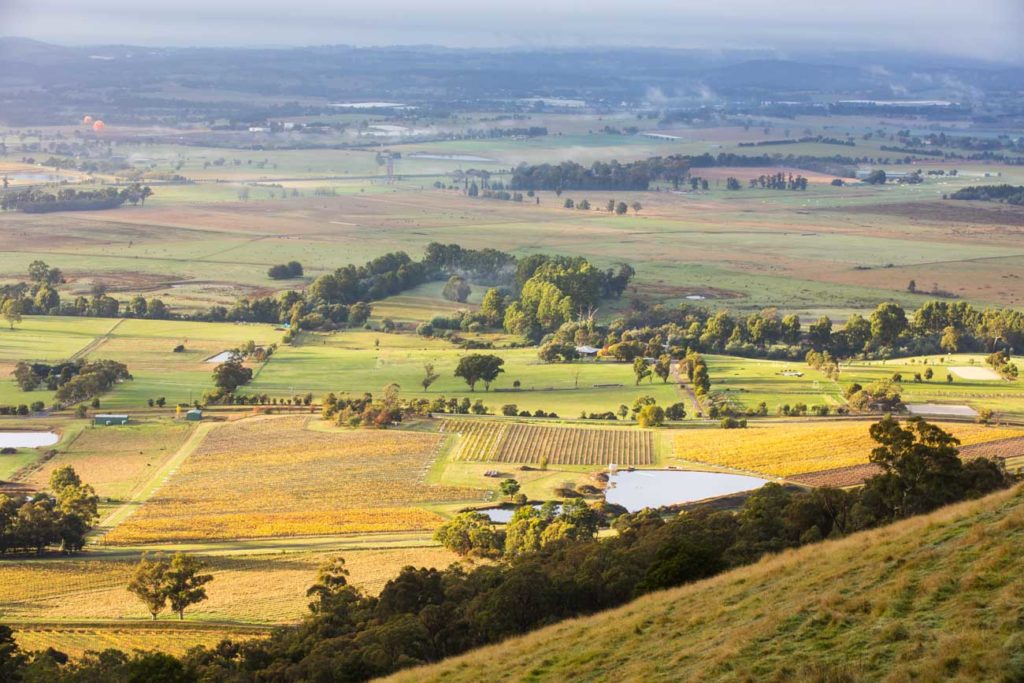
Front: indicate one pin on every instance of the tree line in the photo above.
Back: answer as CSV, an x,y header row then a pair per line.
x,y
1009,194
674,169
74,381
555,569
43,200
62,517
888,331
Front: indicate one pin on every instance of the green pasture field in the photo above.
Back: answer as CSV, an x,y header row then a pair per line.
x,y
745,383
349,362
146,346
748,382
1006,398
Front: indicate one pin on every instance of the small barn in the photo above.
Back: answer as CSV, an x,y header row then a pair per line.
x,y
194,415
587,351
109,420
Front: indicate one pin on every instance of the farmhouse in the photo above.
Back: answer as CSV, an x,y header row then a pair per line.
x,y
587,350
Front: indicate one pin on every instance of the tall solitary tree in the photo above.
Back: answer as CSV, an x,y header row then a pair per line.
x,y
11,311
147,584
429,376
183,582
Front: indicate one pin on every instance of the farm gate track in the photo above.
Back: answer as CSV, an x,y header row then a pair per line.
x,y
97,342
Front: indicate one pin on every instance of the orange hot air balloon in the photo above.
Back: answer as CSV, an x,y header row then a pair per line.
x,y
87,120
99,126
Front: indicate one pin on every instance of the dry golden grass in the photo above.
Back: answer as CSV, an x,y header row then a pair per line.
x,y
255,589
784,450
76,641
116,461
271,476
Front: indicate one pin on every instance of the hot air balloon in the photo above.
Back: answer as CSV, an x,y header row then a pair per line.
x,y
87,120
99,126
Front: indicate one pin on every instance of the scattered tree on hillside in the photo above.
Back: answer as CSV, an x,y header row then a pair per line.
x,y
493,307
641,369
429,376
469,533
651,416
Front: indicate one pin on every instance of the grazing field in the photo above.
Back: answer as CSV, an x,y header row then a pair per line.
x,y
145,346
515,442
786,449
744,383
257,589
115,460
272,476
981,388
356,361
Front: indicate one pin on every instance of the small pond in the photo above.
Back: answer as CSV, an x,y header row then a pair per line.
x,y
503,515
641,489
222,357
27,439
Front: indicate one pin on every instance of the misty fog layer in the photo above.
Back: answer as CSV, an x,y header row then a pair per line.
x,y
986,29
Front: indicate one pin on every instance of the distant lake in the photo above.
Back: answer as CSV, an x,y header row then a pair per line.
x,y
27,439
641,489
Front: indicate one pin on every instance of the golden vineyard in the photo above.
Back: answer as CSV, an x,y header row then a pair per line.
x,y
481,440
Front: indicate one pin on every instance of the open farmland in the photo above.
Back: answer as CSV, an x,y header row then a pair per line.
x,y
114,461
145,346
786,449
515,442
355,361
175,639
263,589
273,476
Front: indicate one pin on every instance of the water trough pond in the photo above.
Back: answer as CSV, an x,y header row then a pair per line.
x,y
27,439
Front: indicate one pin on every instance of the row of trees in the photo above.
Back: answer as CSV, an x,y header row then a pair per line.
x,y
674,169
46,200
1010,194
936,327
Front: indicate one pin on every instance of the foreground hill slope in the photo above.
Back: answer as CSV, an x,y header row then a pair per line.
x,y
939,597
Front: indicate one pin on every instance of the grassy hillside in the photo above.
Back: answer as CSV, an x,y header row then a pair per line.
x,y
933,598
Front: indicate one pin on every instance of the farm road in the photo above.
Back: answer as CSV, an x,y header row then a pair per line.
x,y
97,342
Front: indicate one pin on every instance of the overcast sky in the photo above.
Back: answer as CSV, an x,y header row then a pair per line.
x,y
981,28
